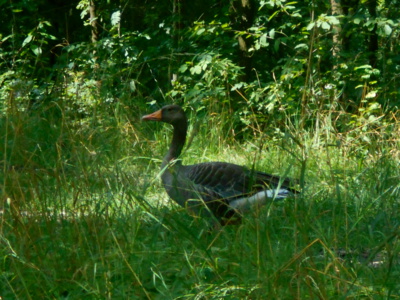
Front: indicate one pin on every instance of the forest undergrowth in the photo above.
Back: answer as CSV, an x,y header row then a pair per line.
x,y
307,89
98,224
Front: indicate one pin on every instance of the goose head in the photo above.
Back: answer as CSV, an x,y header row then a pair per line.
x,y
171,114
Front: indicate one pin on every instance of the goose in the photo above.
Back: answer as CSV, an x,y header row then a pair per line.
x,y
220,190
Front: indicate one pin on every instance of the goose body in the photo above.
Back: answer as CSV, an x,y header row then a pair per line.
x,y
224,190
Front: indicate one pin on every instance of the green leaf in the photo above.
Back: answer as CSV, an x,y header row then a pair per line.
x,y
195,69
36,49
132,85
116,18
376,72
263,40
27,40
276,44
200,31
255,29
47,36
237,86
311,26
333,20
183,68
371,94
374,105
387,29
273,15
325,25
271,33
390,22
363,67
301,46
6,38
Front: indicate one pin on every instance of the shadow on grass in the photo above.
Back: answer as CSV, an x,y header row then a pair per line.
x,y
296,248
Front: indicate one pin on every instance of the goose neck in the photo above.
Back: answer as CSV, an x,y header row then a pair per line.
x,y
177,143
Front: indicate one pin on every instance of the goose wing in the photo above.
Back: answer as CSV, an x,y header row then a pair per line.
x,y
229,181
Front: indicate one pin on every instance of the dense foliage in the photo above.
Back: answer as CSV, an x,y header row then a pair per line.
x,y
256,56
313,85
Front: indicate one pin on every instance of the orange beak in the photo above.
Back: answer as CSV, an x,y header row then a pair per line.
x,y
155,116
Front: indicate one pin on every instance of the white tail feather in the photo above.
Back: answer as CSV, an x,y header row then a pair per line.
x,y
243,204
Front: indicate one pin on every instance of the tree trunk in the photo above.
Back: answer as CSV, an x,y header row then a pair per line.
x,y
242,16
373,37
93,21
337,30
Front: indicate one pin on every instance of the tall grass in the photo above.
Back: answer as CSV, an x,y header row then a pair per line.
x,y
83,215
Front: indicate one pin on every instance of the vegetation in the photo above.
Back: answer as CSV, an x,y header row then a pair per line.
x,y
307,89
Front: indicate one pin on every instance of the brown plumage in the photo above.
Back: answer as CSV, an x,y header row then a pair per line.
x,y
221,189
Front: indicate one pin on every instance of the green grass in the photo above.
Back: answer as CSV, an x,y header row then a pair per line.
x,y
96,223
